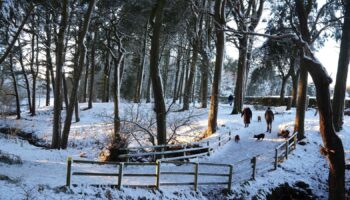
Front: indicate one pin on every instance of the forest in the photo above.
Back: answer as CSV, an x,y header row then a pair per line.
x,y
156,81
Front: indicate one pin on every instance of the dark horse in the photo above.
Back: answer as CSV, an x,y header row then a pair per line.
x,y
269,117
247,113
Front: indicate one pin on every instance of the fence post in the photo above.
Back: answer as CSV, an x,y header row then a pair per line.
x,y
253,161
229,136
195,176
219,140
295,141
184,147
208,144
276,158
162,150
69,167
229,184
120,175
287,149
158,174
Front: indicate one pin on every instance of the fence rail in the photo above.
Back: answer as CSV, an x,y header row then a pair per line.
x,y
185,151
158,175
203,173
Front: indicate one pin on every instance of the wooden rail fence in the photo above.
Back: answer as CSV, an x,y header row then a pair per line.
x,y
158,175
184,151
160,170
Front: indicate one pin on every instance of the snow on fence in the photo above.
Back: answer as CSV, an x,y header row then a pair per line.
x,y
166,173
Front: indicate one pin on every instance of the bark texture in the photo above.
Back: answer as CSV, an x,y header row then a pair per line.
x,y
159,104
220,47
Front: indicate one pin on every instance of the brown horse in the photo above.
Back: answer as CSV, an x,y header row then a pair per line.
x,y
269,117
247,113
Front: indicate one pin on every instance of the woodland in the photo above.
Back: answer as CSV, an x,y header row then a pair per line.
x,y
166,53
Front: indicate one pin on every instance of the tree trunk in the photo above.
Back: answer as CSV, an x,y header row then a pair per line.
x,y
35,72
241,74
15,88
159,104
190,81
185,68
84,95
148,92
56,133
283,89
220,47
116,96
178,64
333,147
294,62
342,72
204,78
295,80
92,70
64,95
106,73
76,111
26,81
181,81
49,66
140,71
77,74
166,70
302,89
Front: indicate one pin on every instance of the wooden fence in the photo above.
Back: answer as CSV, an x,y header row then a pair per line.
x,y
158,174
182,151
162,172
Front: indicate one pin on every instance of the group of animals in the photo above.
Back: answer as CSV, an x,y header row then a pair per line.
x,y
247,116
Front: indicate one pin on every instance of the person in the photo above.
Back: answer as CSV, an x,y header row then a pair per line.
x,y
269,117
230,99
247,113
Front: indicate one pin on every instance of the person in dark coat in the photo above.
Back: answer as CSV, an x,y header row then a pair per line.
x,y
247,113
230,99
269,117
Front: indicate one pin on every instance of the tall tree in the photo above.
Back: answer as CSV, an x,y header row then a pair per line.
x,y
26,80
219,17
56,132
93,66
312,22
196,37
116,91
342,72
333,147
140,71
247,16
77,73
15,88
159,104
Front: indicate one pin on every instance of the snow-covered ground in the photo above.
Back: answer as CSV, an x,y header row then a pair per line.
x,y
43,172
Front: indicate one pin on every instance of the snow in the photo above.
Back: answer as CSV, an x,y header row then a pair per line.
x,y
43,172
